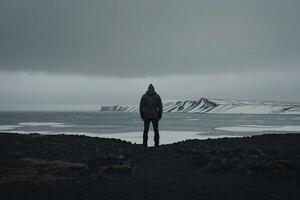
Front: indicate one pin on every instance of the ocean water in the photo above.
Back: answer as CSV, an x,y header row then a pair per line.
x,y
174,127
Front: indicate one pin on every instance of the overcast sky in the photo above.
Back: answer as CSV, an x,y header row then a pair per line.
x,y
76,52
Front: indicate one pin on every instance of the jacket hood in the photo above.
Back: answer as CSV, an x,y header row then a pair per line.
x,y
150,91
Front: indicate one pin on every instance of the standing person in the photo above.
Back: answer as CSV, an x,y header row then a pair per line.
x,y
151,111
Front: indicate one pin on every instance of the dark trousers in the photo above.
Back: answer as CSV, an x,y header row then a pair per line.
x,y
146,129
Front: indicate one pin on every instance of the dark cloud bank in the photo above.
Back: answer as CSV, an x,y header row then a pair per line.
x,y
140,38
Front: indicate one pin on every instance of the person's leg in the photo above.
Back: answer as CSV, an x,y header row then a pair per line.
x,y
156,131
145,134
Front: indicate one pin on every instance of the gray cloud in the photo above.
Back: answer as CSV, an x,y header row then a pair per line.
x,y
32,91
138,38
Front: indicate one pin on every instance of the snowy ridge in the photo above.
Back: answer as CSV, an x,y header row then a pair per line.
x,y
217,106
255,107
119,108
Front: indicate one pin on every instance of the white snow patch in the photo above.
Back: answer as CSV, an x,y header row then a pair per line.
x,y
259,128
51,124
29,132
192,119
8,127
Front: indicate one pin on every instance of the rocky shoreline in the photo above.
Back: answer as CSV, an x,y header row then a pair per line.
x,y
78,167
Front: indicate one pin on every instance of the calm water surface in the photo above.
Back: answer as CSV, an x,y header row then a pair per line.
x,y
118,123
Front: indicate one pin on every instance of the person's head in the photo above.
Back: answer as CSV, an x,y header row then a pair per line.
x,y
151,87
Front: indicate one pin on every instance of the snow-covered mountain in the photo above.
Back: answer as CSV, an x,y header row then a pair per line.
x,y
217,106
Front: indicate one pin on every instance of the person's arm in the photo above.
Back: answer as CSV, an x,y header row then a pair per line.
x,y
142,108
160,107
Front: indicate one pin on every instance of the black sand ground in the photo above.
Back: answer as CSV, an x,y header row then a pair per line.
x,y
78,167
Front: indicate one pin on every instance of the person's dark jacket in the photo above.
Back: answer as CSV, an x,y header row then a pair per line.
x,y
151,105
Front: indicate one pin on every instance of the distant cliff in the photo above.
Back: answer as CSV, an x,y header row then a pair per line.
x,y
216,106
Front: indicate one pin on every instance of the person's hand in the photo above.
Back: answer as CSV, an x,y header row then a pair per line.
x,y
142,116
